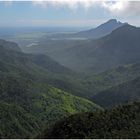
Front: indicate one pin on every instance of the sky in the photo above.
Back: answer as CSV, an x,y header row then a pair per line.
x,y
71,13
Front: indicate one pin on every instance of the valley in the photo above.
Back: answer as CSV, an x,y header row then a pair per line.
x,y
48,79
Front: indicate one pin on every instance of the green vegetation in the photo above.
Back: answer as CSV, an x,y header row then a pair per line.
x,y
121,94
28,100
110,78
24,114
17,122
122,122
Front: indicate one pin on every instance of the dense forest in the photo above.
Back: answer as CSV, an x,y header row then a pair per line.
x,y
28,102
122,122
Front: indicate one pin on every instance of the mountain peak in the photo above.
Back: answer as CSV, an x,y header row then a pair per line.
x,y
113,20
102,30
110,23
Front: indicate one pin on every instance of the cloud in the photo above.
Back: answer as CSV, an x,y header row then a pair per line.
x,y
114,7
123,7
133,8
72,4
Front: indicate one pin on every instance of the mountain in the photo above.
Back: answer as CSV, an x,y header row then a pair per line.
x,y
9,45
102,30
40,68
59,76
120,94
29,99
55,44
25,111
122,122
118,48
96,83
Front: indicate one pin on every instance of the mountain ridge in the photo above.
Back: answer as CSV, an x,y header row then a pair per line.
x,y
101,30
120,47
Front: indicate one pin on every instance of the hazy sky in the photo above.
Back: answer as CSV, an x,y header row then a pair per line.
x,y
67,12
